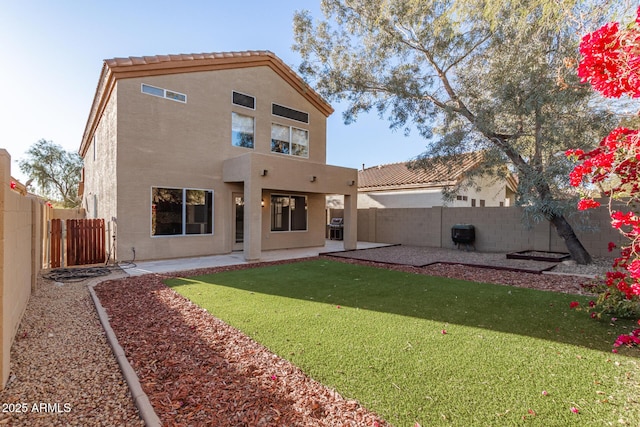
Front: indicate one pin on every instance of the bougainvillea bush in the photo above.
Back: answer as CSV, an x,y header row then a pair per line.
x,y
611,64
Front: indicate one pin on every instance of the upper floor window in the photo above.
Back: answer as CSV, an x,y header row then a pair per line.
x,y
242,129
243,100
163,93
289,140
289,113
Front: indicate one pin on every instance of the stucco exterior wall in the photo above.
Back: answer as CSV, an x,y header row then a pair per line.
x,y
22,222
169,144
100,169
491,193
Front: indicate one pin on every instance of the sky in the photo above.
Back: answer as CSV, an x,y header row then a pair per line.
x,y
53,51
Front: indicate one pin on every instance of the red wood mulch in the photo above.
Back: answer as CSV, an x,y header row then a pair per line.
x,y
198,370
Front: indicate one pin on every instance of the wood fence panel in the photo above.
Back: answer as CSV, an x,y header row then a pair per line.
x,y
84,240
56,243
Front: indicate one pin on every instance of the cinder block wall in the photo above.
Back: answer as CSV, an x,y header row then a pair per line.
x,y
65,214
498,229
22,222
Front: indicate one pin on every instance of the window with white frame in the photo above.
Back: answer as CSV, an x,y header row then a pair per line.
x,y
242,130
181,211
289,140
164,93
288,212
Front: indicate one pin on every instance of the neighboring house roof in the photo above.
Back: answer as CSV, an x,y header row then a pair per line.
x,y
122,68
399,176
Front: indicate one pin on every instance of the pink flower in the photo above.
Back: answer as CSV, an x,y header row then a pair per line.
x,y
337,306
634,269
575,410
544,392
615,350
574,304
273,377
443,332
585,204
592,303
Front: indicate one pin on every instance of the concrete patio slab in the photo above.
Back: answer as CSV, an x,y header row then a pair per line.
x,y
234,258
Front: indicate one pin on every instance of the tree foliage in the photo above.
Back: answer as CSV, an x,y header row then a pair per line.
x,y
491,76
55,171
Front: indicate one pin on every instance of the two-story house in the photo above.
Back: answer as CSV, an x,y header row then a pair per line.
x,y
203,154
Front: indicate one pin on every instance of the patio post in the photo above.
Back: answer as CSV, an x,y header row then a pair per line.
x,y
350,232
252,220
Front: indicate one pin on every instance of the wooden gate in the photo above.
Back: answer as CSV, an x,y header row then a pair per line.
x,y
77,242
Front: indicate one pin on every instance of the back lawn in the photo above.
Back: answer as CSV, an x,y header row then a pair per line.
x,y
431,350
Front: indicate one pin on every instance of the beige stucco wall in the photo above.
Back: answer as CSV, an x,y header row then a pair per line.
x,y
100,169
22,222
497,229
493,193
164,143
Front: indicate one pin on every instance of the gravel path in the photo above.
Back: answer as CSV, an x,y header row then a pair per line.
x,y
423,256
63,372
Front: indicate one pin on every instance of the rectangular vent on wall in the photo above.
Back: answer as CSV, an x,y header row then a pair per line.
x,y
289,113
244,100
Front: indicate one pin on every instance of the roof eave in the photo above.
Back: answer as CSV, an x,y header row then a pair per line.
x,y
399,187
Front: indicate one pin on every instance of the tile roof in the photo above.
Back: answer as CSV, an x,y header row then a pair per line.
x,y
157,59
122,68
399,175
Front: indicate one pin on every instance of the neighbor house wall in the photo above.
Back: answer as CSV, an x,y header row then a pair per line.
x,y
497,229
492,193
22,226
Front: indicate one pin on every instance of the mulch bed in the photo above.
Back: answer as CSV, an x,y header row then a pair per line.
x,y
197,370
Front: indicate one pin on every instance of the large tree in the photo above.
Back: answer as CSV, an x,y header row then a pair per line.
x,y
55,171
468,75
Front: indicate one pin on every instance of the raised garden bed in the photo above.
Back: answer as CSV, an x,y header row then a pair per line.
x,y
540,256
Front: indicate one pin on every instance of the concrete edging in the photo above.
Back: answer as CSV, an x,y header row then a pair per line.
x,y
140,398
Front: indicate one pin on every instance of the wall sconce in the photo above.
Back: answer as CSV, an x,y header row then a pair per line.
x,y
312,178
262,203
351,183
263,172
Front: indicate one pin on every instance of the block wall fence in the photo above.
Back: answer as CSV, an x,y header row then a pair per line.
x,y
498,229
23,227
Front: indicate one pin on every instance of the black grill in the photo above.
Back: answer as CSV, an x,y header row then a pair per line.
x,y
336,228
463,234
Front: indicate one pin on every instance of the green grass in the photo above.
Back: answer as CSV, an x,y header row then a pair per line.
x,y
375,335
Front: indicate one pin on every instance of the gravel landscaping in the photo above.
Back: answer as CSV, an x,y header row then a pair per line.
x,y
63,372
195,369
